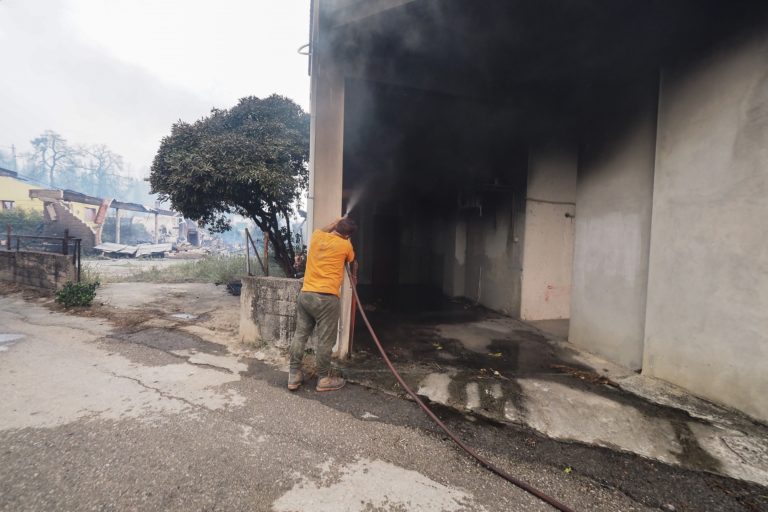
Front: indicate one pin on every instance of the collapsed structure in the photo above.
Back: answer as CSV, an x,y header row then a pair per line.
x,y
600,162
84,216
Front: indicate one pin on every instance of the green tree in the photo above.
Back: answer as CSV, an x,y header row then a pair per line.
x,y
249,160
22,222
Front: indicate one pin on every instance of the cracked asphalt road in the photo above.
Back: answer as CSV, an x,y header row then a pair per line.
x,y
94,417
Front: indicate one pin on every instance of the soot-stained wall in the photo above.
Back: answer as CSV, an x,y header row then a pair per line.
x,y
548,249
707,314
613,228
443,192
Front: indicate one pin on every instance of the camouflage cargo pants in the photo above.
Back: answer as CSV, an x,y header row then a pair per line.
x,y
318,312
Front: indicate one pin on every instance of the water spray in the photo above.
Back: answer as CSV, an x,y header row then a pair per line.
x,y
355,197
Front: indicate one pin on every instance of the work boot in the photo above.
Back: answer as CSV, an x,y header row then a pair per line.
x,y
295,378
330,383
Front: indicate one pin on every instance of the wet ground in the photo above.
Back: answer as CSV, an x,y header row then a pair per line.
x,y
129,406
477,361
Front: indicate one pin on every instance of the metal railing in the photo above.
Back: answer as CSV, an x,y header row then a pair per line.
x,y
250,243
65,245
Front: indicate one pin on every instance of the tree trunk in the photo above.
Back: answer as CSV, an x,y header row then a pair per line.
x,y
284,255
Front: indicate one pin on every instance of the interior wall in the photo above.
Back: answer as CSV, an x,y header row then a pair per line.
x,y
707,311
613,227
493,263
449,172
454,253
417,264
549,228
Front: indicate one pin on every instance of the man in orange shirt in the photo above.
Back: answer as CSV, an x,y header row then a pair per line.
x,y
318,306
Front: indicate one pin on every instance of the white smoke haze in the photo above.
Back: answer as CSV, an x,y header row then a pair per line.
x,y
121,72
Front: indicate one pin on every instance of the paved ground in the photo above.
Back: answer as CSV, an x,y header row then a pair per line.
x,y
144,404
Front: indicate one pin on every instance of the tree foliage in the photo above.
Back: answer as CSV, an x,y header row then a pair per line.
x,y
22,222
249,160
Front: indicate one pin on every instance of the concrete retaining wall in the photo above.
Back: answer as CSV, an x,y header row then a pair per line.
x,y
41,270
268,310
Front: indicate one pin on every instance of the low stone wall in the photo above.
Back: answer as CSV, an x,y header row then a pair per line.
x,y
42,270
268,310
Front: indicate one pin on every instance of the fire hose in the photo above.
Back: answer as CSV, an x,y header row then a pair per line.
x,y
483,462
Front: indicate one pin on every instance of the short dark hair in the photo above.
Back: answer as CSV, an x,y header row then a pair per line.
x,y
346,227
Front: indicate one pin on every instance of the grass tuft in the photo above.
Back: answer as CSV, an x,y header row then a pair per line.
x,y
211,269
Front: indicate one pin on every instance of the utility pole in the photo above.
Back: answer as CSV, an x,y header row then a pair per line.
x,y
13,155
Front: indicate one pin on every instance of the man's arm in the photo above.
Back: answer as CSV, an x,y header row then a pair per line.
x,y
330,227
350,254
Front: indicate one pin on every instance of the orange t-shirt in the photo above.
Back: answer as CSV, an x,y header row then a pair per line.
x,y
325,262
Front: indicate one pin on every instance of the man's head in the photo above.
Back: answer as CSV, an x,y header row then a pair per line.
x,y
346,227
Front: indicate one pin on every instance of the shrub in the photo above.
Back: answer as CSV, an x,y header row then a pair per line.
x,y
23,222
77,294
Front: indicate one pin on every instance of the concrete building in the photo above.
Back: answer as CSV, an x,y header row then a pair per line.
x,y
599,163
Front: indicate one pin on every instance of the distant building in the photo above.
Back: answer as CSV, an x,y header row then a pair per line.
x,y
81,215
14,192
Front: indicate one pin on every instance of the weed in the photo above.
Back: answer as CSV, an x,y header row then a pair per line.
x,y
211,269
89,274
77,294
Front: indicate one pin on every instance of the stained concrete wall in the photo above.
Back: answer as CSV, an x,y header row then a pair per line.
x,y
454,257
549,227
326,152
416,256
41,270
493,260
707,312
268,311
613,227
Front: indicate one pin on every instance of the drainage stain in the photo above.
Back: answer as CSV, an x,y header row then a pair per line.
x,y
691,452
168,340
8,339
184,316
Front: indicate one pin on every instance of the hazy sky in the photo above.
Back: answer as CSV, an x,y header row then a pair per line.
x,y
120,72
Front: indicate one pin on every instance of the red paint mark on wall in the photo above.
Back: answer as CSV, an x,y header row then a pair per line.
x,y
554,292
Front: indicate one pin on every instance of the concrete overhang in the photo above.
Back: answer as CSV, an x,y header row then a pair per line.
x,y
79,197
343,12
136,207
64,195
39,193
133,207
519,48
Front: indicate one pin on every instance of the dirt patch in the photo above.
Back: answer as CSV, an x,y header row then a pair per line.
x,y
168,340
